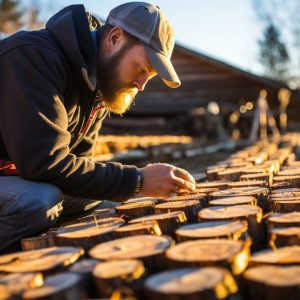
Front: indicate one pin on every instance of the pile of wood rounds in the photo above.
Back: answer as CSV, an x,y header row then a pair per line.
x,y
236,237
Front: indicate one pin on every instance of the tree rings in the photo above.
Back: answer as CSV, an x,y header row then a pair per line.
x,y
233,230
191,283
230,254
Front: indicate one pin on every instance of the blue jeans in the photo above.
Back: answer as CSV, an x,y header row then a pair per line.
x,y
28,208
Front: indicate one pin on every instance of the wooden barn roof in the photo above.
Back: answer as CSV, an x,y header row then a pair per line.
x,y
205,79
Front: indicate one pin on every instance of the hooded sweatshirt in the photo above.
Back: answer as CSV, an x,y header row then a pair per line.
x,y
50,114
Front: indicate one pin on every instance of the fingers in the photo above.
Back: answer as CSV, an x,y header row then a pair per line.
x,y
181,184
181,173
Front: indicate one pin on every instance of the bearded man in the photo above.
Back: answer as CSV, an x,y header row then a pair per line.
x,y
57,86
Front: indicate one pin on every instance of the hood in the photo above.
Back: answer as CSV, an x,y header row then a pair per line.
x,y
71,28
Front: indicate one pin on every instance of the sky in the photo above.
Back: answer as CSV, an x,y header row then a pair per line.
x,y
227,30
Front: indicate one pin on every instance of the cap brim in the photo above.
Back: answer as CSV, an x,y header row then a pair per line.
x,y
163,67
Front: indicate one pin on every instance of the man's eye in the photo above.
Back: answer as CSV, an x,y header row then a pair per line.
x,y
141,70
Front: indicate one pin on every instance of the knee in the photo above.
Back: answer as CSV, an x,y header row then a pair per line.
x,y
43,205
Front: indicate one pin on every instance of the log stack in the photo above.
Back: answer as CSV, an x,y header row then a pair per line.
x,y
237,237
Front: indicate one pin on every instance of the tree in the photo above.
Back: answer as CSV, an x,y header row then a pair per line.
x,y
10,16
285,16
273,54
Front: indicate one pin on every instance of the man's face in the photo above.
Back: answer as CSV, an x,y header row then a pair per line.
x,y
122,75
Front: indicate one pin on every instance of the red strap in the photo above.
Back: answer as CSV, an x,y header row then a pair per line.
x,y
7,168
90,119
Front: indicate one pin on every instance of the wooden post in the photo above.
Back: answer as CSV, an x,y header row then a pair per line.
x,y
284,96
272,282
60,286
232,230
190,208
263,117
119,275
148,248
232,255
251,214
45,260
191,283
284,256
12,286
168,222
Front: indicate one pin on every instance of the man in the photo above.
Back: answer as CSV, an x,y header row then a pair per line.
x,y
57,85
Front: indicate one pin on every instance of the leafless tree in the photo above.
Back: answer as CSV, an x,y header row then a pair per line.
x,y
284,15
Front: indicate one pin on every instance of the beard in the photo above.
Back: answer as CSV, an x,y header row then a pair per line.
x,y
117,96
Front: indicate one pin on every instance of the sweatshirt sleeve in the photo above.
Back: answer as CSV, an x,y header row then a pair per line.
x,y
34,122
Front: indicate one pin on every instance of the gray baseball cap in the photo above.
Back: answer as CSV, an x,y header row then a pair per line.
x,y
149,24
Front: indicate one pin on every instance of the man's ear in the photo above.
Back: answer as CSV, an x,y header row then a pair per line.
x,y
115,39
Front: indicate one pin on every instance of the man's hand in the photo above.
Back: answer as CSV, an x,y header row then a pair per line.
x,y
160,180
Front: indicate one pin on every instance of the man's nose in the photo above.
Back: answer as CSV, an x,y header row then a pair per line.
x,y
141,83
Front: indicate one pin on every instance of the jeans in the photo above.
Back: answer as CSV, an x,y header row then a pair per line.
x,y
28,208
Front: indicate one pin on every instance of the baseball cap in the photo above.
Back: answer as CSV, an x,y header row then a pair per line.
x,y
149,24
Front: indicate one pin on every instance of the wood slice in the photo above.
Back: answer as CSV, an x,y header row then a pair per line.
x,y
42,260
241,164
249,200
202,198
221,185
150,227
191,283
274,164
289,172
286,236
154,200
101,215
189,207
265,178
60,286
289,255
255,170
230,174
276,220
279,185
293,180
233,161
251,183
206,191
285,205
13,285
233,255
118,275
260,193
252,214
98,214
235,230
168,222
38,242
258,159
86,237
294,164
85,268
148,248
285,192
272,283
212,174
105,222
240,154
136,209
